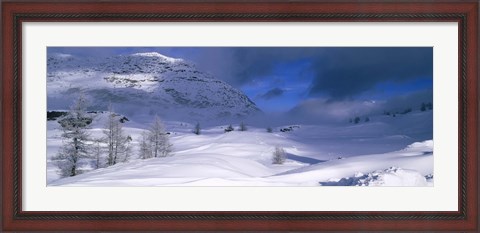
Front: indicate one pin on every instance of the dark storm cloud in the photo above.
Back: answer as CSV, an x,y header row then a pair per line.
x,y
241,65
272,93
346,72
338,73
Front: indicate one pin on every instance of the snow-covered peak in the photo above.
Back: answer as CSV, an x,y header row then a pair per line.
x,y
155,54
61,55
145,83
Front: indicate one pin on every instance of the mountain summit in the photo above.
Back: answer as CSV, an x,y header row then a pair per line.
x,y
144,83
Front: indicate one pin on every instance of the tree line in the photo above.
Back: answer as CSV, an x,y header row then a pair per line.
x,y
115,146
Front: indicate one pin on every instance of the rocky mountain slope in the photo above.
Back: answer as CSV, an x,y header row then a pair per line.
x,y
144,83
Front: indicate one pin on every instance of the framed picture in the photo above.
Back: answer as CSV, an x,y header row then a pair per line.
x,y
260,116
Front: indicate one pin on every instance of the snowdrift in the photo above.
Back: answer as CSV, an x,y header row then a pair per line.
x,y
216,158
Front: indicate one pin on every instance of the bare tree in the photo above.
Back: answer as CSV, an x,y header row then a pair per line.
x,y
97,154
196,130
243,127
75,138
279,155
145,149
159,139
115,138
128,149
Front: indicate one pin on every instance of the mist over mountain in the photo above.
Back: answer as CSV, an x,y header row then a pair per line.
x,y
144,84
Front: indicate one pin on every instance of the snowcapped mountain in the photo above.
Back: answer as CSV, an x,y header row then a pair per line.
x,y
144,83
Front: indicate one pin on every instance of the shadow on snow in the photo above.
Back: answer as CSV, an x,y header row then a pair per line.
x,y
303,159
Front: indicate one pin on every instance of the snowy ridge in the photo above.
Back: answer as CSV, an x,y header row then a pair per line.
x,y
154,54
392,176
144,83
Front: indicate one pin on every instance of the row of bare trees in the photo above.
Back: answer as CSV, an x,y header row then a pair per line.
x,y
115,146
155,142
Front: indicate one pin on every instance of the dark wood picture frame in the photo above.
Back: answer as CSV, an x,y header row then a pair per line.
x,y
14,13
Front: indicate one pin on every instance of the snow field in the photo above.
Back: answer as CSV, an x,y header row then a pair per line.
x,y
215,158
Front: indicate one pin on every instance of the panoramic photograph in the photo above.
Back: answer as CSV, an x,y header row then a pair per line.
x,y
239,116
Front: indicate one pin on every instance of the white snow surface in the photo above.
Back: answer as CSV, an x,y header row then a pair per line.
x,y
389,177
316,154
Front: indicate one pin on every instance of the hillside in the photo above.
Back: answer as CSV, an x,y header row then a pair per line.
x,y
144,84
